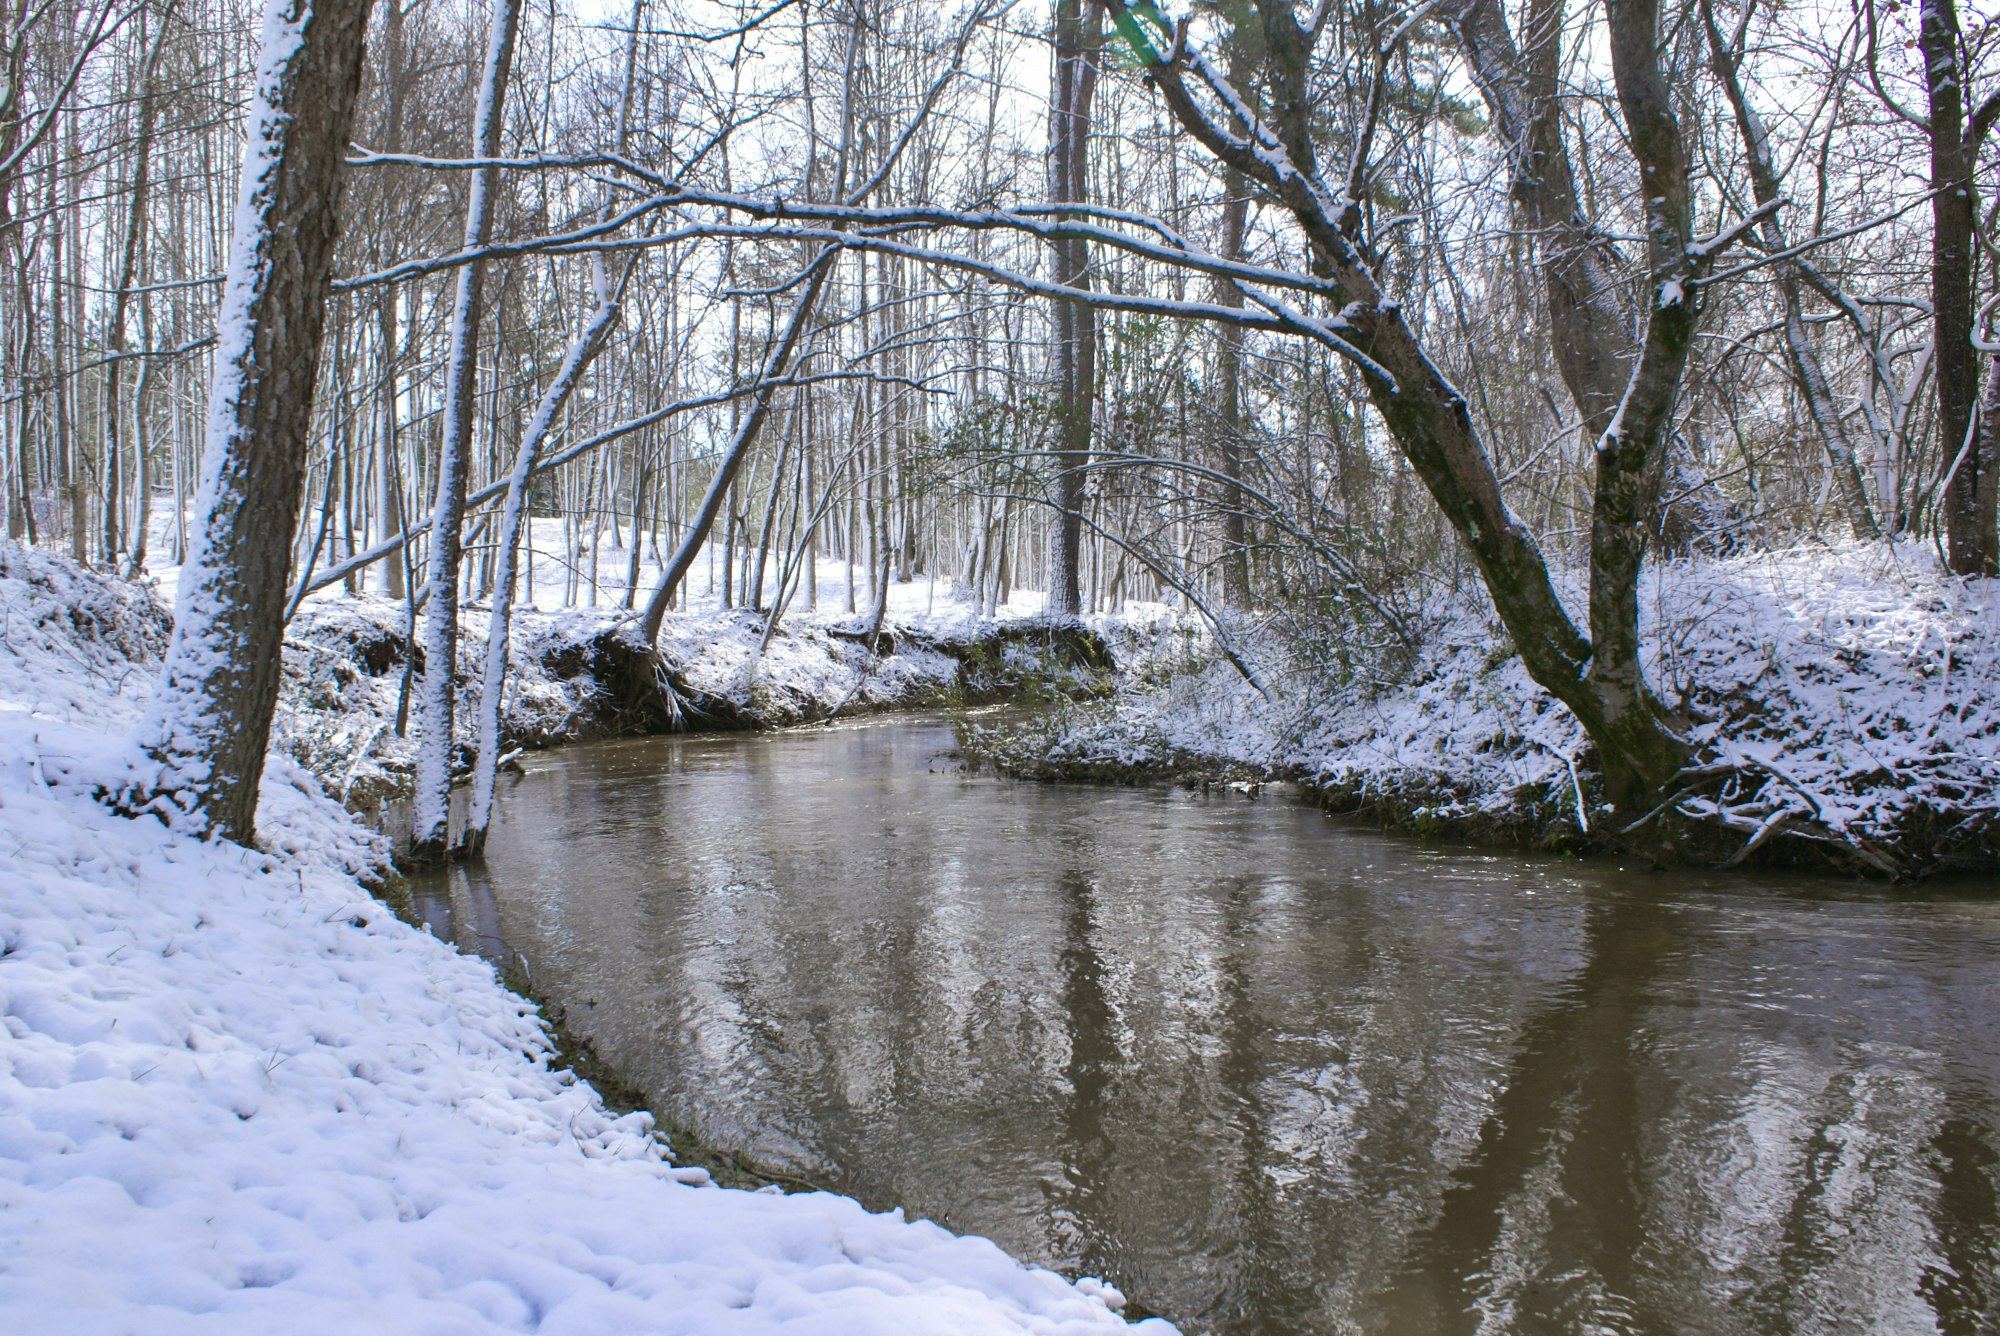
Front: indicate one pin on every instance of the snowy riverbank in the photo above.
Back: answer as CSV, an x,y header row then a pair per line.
x,y
347,659
1843,703
237,1094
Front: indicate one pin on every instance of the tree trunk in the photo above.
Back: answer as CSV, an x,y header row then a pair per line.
x,y
388,470
1076,56
776,363
21,499
69,447
18,331
128,264
437,691
1986,498
1644,752
142,447
1229,371
1592,329
210,721
1971,548
1623,384
513,519
1725,59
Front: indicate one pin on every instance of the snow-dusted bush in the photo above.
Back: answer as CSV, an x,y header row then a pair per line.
x,y
74,637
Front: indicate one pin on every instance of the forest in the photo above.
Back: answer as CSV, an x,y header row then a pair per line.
x,y
1550,439
1318,326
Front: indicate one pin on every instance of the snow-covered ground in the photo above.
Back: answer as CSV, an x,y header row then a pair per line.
x,y
1852,694
551,578
560,581
237,1094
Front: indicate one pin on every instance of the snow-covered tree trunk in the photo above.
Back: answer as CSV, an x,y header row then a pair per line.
x,y
1986,497
436,691
210,720
1971,546
494,679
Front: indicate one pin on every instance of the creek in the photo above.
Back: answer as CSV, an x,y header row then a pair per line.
x,y
1264,1069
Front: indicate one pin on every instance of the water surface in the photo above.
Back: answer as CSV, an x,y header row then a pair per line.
x,y
1267,1071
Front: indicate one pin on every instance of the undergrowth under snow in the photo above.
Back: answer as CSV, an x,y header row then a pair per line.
x,y
1851,695
239,1095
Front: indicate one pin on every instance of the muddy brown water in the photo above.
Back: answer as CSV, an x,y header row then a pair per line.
x,y
1267,1071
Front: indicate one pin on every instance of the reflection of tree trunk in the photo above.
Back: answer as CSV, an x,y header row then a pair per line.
x,y
1570,1102
1965,1295
1090,1026
1261,1281
1801,1246
1813,1243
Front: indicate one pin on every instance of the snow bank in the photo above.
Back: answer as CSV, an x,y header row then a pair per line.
x,y
1849,695
346,659
237,1094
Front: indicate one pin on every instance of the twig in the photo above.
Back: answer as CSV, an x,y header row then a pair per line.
x,y
1759,837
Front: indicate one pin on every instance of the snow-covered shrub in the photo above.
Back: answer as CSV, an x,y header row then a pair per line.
x,y
73,635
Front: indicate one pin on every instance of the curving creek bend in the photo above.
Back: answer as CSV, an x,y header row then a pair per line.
x,y
1265,1070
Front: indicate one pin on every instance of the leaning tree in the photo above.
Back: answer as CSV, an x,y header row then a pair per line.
x,y
210,720
1622,365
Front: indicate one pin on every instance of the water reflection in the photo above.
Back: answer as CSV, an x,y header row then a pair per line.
x,y
1269,1073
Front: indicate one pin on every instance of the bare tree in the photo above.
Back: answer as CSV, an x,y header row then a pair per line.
x,y
1972,546
1600,678
1726,59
